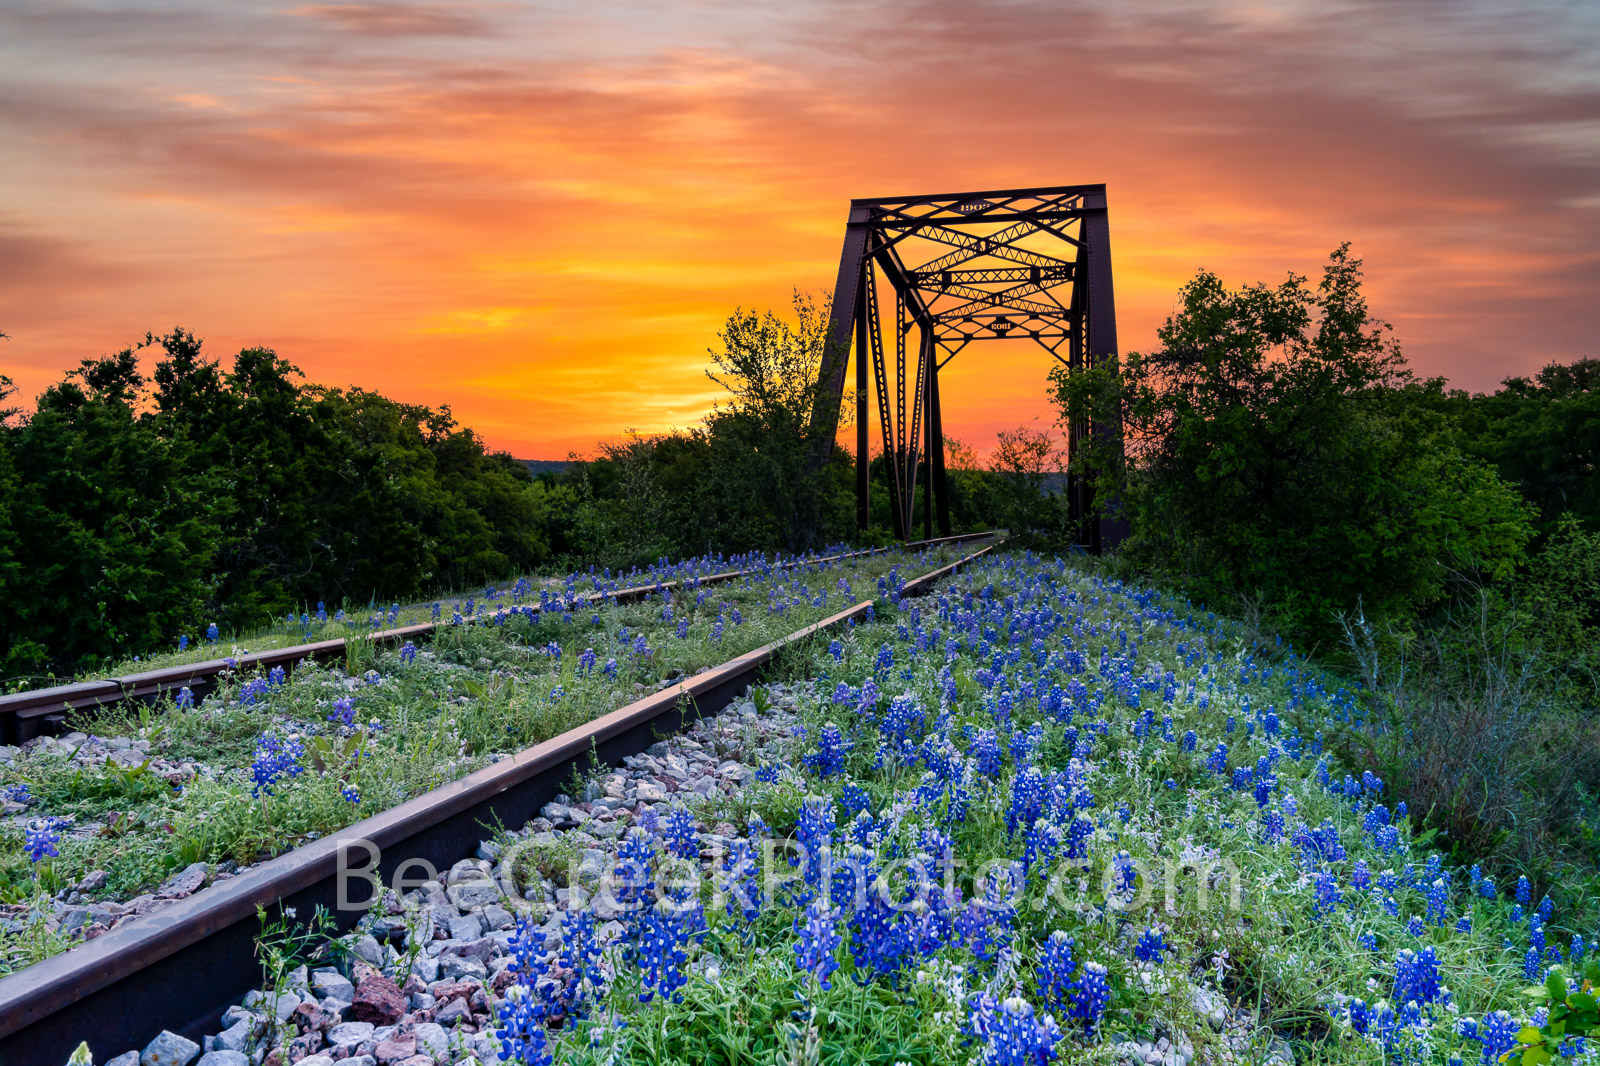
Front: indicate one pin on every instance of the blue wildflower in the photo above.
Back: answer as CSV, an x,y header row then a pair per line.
x,y
41,839
817,938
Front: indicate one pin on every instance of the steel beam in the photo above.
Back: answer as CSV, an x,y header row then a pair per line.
x,y
991,273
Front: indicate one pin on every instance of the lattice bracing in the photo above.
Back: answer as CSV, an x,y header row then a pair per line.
x,y
965,267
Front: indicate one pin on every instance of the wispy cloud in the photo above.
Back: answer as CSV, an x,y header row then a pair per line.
x,y
539,212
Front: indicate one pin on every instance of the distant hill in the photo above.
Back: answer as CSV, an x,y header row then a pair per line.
x,y
546,466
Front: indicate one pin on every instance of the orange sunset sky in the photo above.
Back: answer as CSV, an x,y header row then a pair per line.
x,y
539,212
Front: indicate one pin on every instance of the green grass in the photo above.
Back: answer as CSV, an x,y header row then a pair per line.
x,y
474,691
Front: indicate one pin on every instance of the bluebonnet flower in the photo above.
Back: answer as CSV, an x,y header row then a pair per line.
x,y
1320,845
1524,891
1388,839
1150,947
817,938
185,699
1264,785
522,1034
836,649
1190,739
1094,992
767,773
1530,965
1416,977
1053,973
41,839
1272,826
900,720
211,632
344,711
1438,902
1498,1034
814,832
350,793
1415,926
1017,1038
985,753
1328,895
1368,941
681,834
275,760
253,691
742,880
829,757
660,946
408,652
853,800
610,668
183,642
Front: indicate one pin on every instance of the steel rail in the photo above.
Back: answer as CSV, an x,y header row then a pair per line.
x,y
25,715
179,968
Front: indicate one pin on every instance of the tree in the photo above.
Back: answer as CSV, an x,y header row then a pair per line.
x,y
1021,460
133,510
764,441
110,527
1543,435
1278,446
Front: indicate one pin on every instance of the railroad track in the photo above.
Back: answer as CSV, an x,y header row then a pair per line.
x,y
181,967
25,715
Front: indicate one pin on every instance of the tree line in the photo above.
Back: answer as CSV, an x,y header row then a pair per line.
x,y
137,507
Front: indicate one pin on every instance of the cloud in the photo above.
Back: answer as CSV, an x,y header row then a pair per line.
x,y
540,211
400,19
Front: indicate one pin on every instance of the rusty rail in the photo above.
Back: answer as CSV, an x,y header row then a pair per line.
x,y
25,715
180,967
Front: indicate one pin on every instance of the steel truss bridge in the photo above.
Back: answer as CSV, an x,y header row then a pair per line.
x,y
961,268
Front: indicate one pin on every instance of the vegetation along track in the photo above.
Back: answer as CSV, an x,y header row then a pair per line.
x,y
34,712
196,954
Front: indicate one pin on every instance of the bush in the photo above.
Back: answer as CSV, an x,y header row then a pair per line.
x,y
1477,731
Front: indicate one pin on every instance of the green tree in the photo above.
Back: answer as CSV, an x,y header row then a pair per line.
x,y
1278,447
1022,461
1543,435
109,523
764,440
